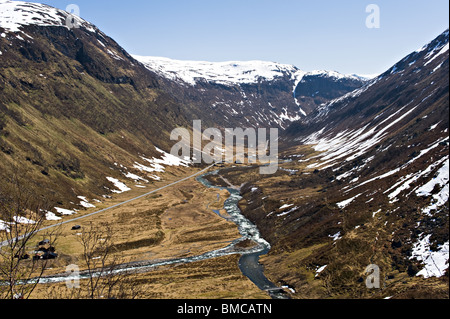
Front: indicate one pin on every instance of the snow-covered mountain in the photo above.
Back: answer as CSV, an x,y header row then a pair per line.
x,y
233,72
250,93
226,73
16,14
364,179
254,92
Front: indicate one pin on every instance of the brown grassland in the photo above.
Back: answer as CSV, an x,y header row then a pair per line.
x,y
175,222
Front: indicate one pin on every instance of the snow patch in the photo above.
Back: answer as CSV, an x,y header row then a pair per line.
x,y
336,236
119,185
347,202
435,262
64,211
226,73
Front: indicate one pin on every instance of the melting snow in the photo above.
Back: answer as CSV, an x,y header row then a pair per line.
x,y
85,203
4,226
443,50
406,181
288,212
286,206
435,262
336,236
63,211
347,202
135,177
441,198
157,164
23,220
232,72
119,185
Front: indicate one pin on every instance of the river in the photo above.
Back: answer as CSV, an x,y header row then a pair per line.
x,y
248,263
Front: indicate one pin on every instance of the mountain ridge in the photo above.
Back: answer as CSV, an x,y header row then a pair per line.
x,y
363,180
17,14
232,72
261,92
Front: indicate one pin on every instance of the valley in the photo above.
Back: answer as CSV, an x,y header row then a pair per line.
x,y
89,178
167,228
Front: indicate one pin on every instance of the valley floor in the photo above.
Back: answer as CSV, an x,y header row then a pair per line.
x,y
177,222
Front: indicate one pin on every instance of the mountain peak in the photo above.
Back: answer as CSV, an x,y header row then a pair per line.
x,y
231,72
16,14
227,73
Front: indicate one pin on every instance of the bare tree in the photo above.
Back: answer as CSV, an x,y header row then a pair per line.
x,y
21,216
103,273
106,277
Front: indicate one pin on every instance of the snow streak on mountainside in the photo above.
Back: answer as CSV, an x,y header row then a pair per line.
x,y
387,144
363,179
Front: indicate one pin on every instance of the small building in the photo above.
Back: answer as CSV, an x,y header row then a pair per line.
x,y
44,242
49,255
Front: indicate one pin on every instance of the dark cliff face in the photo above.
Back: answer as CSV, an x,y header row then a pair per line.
x,y
315,90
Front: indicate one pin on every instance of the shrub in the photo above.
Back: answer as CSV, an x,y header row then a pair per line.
x,y
70,166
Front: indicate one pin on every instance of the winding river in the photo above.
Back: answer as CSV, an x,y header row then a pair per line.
x,y
248,263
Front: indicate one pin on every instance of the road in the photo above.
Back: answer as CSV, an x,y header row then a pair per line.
x,y
249,261
4,243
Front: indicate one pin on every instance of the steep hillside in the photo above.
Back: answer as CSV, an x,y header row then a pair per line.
x,y
364,181
74,106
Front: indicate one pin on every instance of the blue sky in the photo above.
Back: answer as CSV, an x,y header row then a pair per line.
x,y
312,35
